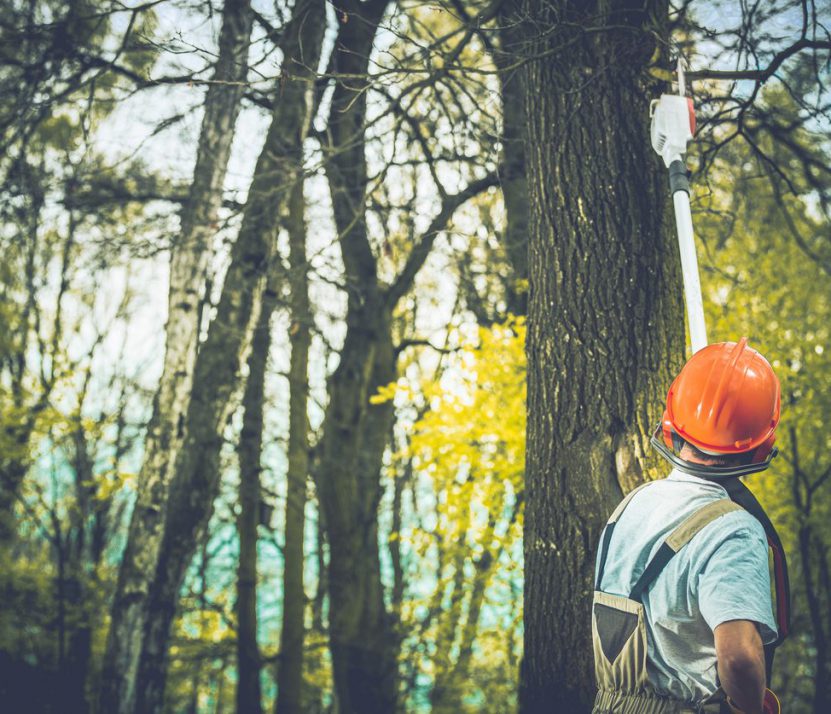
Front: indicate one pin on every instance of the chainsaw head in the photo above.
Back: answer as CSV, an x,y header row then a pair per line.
x,y
673,125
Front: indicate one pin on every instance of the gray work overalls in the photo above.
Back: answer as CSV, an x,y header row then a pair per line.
x,y
619,627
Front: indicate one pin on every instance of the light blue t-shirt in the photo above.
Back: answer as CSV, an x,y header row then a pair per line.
x,y
721,574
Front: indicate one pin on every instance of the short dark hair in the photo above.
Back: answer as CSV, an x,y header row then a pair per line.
x,y
720,459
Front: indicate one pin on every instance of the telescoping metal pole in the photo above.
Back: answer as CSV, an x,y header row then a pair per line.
x,y
680,187
673,125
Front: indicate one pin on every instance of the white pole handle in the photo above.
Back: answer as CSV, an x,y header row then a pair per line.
x,y
689,268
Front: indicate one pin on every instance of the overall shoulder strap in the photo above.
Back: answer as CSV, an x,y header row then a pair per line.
x,y
683,534
609,529
742,495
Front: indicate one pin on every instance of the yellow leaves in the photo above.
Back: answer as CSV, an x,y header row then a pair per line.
x,y
388,392
384,394
664,75
213,627
477,410
470,443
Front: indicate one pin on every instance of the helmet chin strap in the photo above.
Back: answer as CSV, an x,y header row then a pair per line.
x,y
711,473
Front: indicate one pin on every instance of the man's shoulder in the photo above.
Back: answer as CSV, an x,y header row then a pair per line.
x,y
679,491
683,493
739,522
732,535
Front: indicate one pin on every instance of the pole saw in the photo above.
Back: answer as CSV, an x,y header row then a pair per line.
x,y
673,127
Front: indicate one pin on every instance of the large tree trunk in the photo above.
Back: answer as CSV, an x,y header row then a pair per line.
x,y
290,668
189,260
195,483
605,326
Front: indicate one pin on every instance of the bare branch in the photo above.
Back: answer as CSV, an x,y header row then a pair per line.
x,y
419,253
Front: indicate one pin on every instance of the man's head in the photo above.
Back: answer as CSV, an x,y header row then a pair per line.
x,y
694,455
723,408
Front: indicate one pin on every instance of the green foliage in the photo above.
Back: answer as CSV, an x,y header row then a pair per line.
x,y
760,281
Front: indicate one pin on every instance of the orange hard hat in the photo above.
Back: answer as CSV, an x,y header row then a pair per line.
x,y
725,400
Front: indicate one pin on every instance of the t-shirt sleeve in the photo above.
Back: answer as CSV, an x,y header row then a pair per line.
x,y
734,582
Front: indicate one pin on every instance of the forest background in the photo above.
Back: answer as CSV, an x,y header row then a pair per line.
x,y
331,332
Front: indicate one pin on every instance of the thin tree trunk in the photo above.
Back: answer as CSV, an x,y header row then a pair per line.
x,y
189,260
248,692
79,650
195,483
451,680
361,634
15,456
220,687
321,587
398,577
605,325
822,675
202,600
290,668
361,638
444,695
362,641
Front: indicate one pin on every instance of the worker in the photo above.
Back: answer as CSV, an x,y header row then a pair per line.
x,y
682,609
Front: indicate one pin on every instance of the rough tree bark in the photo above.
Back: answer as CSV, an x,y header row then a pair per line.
x,y
290,667
195,483
605,324
189,259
